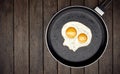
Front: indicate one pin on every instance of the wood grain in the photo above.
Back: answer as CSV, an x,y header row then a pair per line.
x,y
92,4
116,37
50,65
77,2
105,63
77,70
21,38
63,4
61,68
6,37
92,69
36,37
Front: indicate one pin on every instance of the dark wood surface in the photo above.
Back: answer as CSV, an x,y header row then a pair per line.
x,y
22,38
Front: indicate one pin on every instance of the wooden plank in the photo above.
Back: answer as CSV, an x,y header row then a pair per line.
x,y
92,69
77,70
61,68
116,37
92,4
77,2
6,37
36,37
50,8
105,63
63,3
21,41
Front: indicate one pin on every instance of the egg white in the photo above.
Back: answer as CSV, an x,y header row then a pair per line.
x,y
73,43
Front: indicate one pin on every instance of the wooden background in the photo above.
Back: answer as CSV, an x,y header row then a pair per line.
x,y
22,44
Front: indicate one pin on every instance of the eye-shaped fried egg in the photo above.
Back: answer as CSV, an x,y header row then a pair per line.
x,y
76,35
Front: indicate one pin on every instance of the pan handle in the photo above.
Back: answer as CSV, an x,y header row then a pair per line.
x,y
100,9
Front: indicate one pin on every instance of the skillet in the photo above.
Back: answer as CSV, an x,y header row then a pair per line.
x,y
84,56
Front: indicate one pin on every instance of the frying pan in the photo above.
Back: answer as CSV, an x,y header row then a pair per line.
x,y
84,56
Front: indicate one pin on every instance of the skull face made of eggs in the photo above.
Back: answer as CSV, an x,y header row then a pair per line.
x,y
76,35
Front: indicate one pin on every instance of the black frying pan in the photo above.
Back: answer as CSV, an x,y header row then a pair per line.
x,y
91,18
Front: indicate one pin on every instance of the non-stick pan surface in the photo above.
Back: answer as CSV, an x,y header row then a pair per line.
x,y
84,55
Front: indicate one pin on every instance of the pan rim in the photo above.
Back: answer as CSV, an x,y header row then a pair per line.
x,y
91,11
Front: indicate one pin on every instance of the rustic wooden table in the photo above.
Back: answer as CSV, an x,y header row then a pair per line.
x,y
22,44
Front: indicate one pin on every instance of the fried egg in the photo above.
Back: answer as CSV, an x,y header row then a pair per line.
x,y
76,35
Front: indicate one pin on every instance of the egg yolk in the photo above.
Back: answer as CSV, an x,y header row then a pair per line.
x,y
71,32
82,38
